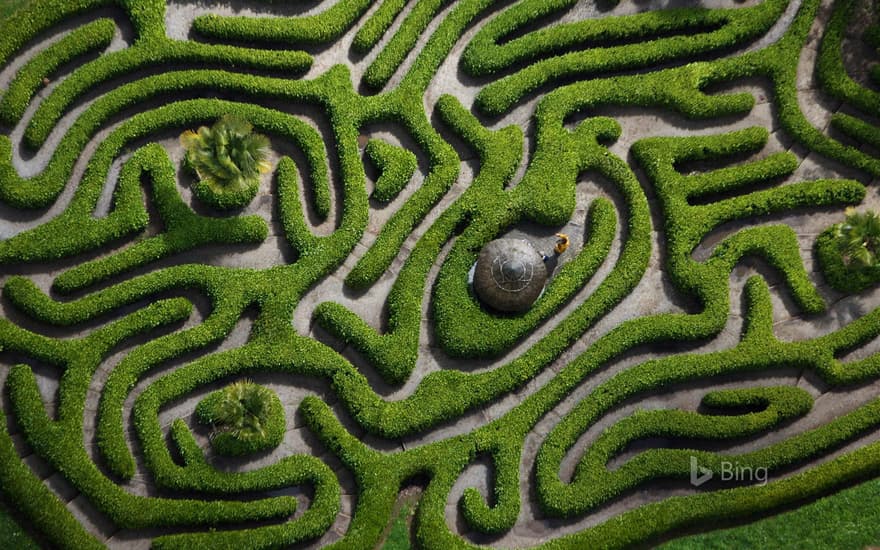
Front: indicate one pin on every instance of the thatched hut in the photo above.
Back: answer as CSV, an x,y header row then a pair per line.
x,y
510,275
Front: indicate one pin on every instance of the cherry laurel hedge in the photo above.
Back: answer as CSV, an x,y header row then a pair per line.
x,y
140,294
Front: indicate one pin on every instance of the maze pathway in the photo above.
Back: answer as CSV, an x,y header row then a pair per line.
x,y
701,356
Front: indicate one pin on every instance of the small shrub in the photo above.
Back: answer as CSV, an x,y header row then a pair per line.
x,y
247,418
858,239
847,252
228,159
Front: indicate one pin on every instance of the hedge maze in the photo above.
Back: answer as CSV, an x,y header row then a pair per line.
x,y
121,321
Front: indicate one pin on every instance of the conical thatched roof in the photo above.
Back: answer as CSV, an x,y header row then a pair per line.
x,y
510,275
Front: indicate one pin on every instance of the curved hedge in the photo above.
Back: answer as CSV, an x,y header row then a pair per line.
x,y
125,284
396,167
648,39
89,38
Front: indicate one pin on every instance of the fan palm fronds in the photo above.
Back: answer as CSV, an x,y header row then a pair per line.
x,y
242,410
227,157
858,239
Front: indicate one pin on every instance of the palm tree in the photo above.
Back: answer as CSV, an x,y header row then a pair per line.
x,y
858,239
242,410
228,159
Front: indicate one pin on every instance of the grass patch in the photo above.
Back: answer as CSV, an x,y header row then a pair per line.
x,y
398,537
12,535
849,519
8,7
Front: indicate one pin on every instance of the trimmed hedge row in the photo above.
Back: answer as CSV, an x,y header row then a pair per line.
x,y
779,62
758,350
851,193
285,353
439,45
396,167
230,295
403,41
835,80
437,398
152,48
315,29
61,444
683,326
758,346
694,32
466,329
40,190
44,510
830,70
444,166
277,290
597,484
721,508
443,461
37,244
183,229
145,55
90,38
147,18
197,475
690,207
687,224
857,128
394,353
485,54
375,27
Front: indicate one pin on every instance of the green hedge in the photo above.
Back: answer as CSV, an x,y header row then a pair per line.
x,y
695,31
689,208
41,15
45,511
835,80
90,38
63,446
155,54
183,229
403,41
316,29
396,167
466,329
830,70
372,31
